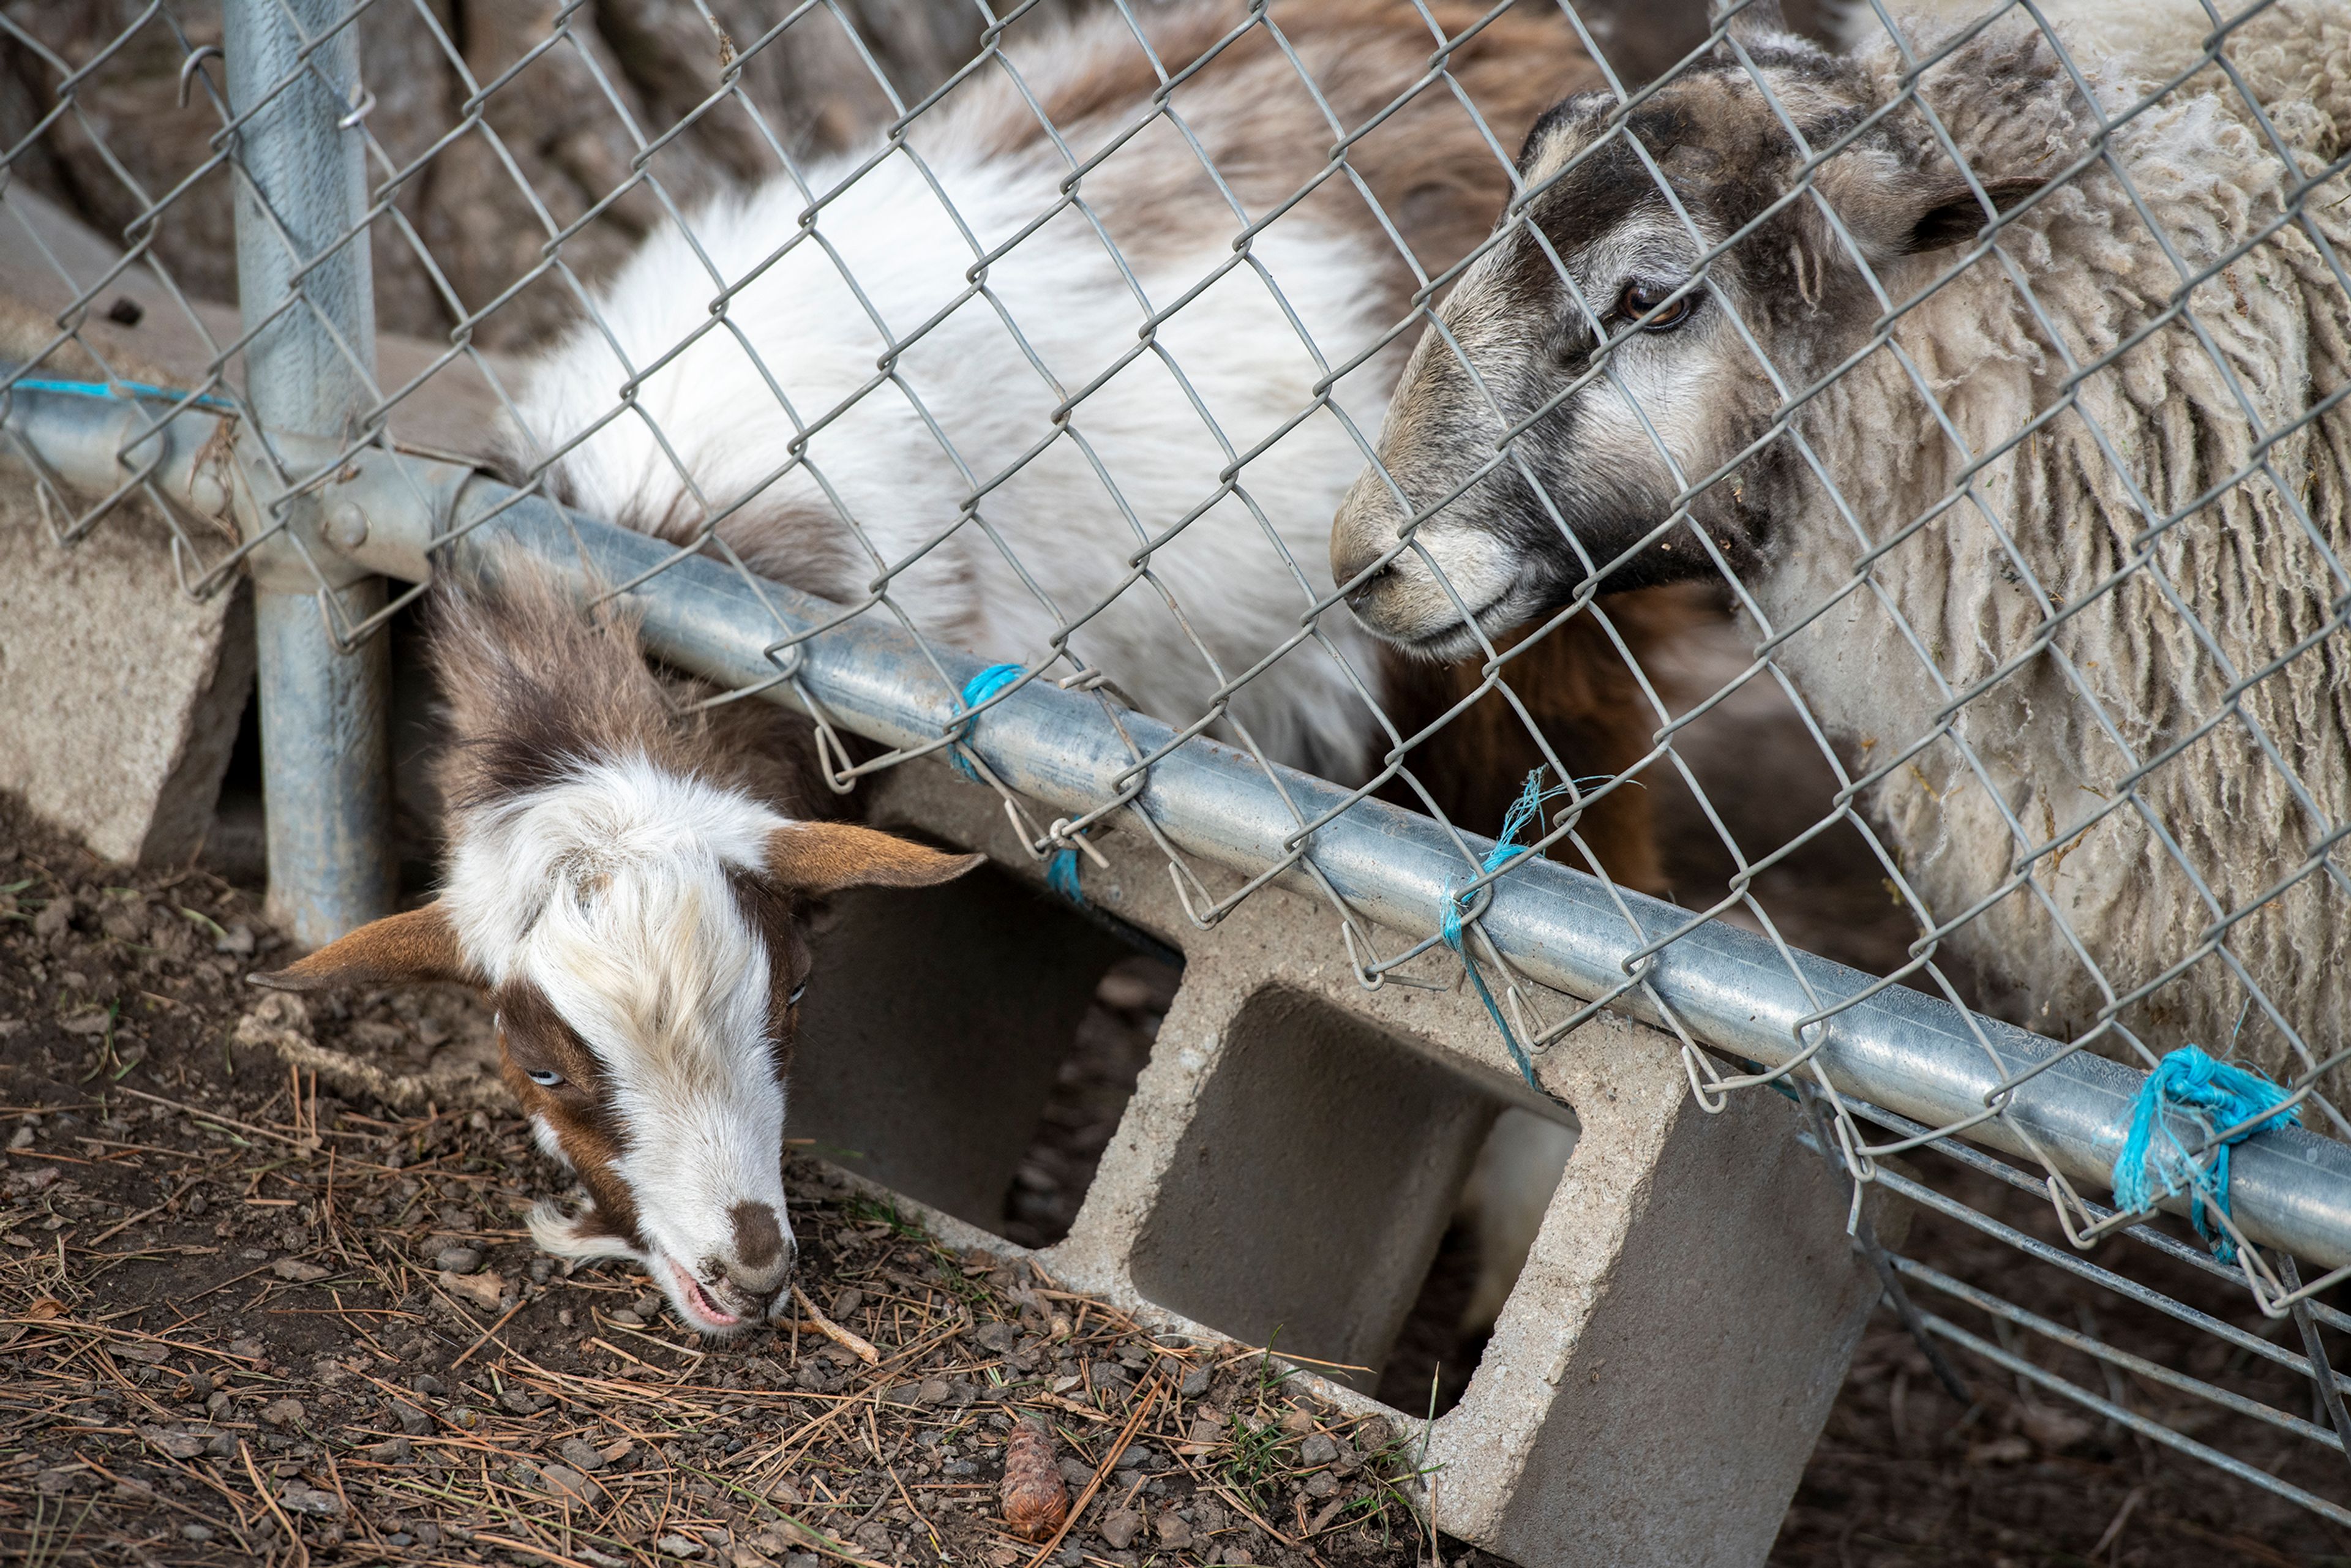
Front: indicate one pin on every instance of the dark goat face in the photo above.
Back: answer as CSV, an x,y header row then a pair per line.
x,y
1588,401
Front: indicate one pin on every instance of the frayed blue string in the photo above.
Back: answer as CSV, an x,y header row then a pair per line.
x,y
1062,875
1526,808
976,691
1061,865
116,391
2226,1095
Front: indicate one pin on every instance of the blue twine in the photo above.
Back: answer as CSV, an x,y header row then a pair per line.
x,y
1062,866
1526,808
1062,875
115,390
2226,1095
976,691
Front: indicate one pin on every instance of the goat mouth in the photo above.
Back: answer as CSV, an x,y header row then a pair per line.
x,y
698,1301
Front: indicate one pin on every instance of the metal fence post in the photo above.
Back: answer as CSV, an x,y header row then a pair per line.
x,y
299,236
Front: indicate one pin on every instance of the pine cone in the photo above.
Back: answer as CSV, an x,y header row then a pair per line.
x,y
1035,1500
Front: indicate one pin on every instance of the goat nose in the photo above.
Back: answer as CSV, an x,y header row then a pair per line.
x,y
1350,558
763,1250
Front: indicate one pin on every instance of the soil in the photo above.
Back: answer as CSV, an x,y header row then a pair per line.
x,y
237,1307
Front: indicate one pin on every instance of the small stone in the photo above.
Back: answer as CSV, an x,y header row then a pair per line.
x,y
1174,1533
390,1451
997,1337
678,1546
195,1532
236,939
1318,1450
580,1455
424,1383
1195,1384
178,1445
515,1402
283,1413
54,917
458,1261
933,1390
1120,1527
626,1318
301,1498
1298,1423
482,1289
1077,1472
56,1481
298,1271
563,1481
1321,1483
412,1421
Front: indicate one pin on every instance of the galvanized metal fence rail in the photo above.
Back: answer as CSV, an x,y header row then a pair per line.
x,y
290,435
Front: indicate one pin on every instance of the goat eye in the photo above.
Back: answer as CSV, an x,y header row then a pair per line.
x,y
1640,298
798,992
545,1078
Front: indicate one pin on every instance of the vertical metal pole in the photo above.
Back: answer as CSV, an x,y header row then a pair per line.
x,y
325,755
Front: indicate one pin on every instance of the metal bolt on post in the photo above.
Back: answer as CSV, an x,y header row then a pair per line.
x,y
324,747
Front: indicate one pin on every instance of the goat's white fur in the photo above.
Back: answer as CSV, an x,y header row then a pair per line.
x,y
609,891
1071,526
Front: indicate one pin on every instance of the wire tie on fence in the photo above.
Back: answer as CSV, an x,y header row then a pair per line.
x,y
2193,1080
1061,865
1526,808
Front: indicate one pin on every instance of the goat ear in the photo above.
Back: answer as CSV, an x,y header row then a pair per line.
x,y
818,858
399,949
1951,214
1895,211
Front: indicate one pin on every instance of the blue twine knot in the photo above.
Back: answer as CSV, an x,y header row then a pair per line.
x,y
1526,808
1061,865
2226,1095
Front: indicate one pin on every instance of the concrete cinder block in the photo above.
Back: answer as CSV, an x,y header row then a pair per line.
x,y
1661,1370
119,694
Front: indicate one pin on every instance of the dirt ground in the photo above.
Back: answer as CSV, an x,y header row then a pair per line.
x,y
241,1320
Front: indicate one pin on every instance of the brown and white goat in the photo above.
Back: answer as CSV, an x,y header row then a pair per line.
x,y
627,880
999,515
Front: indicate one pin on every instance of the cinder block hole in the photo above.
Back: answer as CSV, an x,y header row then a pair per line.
x,y
973,1047
1349,1197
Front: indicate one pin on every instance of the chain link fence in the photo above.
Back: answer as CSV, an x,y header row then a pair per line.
x,y
1898,505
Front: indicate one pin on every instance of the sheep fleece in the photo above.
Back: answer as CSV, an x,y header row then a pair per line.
x,y
2140,675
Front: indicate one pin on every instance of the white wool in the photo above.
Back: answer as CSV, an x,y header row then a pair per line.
x,y
2139,667
609,891
890,466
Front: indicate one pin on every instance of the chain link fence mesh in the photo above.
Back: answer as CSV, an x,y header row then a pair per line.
x,y
1058,335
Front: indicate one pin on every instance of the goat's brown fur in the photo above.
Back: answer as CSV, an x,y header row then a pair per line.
x,y
534,685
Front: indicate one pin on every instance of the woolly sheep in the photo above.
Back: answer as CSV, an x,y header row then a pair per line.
x,y
2059,678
